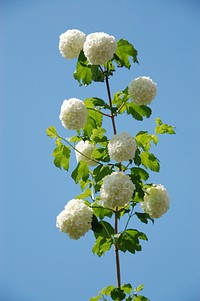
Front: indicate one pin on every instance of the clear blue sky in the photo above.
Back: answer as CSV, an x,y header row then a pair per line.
x,y
37,263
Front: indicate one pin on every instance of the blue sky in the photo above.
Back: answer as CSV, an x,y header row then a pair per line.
x,y
37,263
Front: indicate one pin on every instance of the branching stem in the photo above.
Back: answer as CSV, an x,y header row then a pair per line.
x,y
117,260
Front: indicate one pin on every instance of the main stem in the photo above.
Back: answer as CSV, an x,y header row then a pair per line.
x,y
117,260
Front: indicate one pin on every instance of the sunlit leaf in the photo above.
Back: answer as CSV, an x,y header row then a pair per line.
x,y
129,240
83,73
51,132
62,156
87,193
138,112
124,52
150,161
80,172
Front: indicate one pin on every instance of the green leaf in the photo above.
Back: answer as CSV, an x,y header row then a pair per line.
x,y
102,245
164,129
137,159
150,161
84,195
124,51
101,154
117,294
101,212
138,112
140,298
83,73
144,217
139,172
51,132
144,139
62,155
107,290
129,240
97,75
101,171
127,288
94,119
139,288
80,172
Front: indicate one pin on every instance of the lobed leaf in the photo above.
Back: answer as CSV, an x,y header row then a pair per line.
x,y
51,132
144,139
80,172
84,195
129,240
83,73
138,112
124,51
150,161
144,217
62,155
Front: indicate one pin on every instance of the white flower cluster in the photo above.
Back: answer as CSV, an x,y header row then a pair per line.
x,y
122,147
99,48
71,43
116,190
142,90
73,114
75,219
156,201
84,152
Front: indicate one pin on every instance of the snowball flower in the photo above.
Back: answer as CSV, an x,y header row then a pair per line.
x,y
85,149
73,114
71,43
156,201
99,48
122,147
75,219
116,190
142,90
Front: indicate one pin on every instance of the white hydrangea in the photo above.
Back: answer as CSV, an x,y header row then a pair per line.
x,y
116,190
99,48
122,147
75,219
156,201
73,114
142,90
85,149
71,43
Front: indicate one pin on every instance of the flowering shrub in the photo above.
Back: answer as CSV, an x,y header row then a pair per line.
x,y
84,151
142,90
73,114
99,48
116,190
71,43
121,147
156,201
112,173
75,219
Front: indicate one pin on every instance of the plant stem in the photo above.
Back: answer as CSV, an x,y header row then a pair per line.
x,y
117,260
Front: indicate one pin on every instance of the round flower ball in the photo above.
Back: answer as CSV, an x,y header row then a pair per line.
x,y
156,201
142,90
75,219
99,48
122,147
73,114
71,43
116,190
84,151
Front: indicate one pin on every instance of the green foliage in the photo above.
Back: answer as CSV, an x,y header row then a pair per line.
x,y
125,50
129,240
144,139
163,128
62,155
144,217
104,239
80,172
148,160
51,132
84,195
138,112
